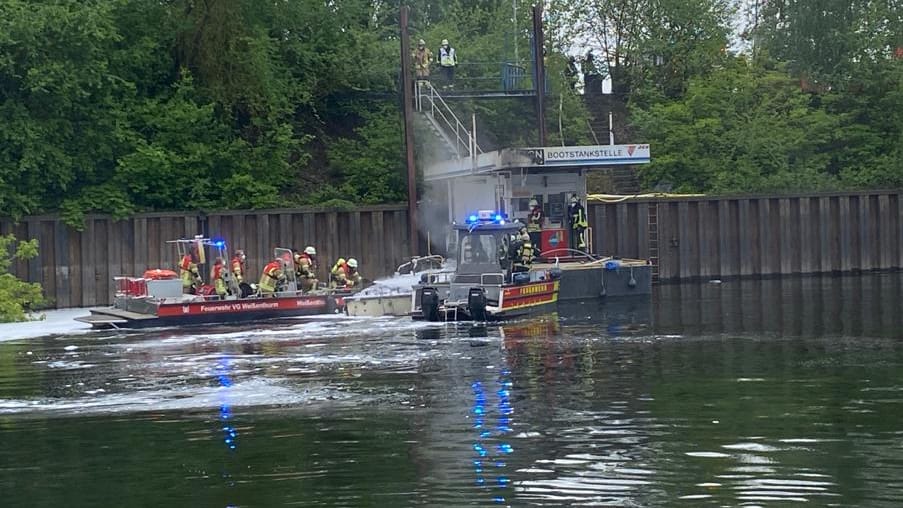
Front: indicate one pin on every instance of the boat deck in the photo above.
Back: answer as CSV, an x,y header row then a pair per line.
x,y
112,316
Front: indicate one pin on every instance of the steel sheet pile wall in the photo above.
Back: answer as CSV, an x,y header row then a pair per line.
x,y
708,238
76,268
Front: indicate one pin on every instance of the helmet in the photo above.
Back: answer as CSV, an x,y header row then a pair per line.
x,y
240,254
533,202
421,42
573,198
310,251
445,42
352,262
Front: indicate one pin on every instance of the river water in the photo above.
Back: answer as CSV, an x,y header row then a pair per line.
x,y
754,393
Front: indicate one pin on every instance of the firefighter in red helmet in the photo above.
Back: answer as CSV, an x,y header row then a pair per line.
x,y
238,265
273,277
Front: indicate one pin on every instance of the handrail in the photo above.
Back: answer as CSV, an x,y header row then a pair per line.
x,y
439,109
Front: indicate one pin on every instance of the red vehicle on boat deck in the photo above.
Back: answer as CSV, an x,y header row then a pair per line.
x,y
157,298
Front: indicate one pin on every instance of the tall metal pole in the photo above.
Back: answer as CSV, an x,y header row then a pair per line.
x,y
407,86
540,73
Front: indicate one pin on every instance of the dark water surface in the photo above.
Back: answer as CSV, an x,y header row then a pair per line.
x,y
761,393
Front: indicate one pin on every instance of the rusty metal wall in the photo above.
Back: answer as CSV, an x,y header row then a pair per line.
x,y
707,238
686,238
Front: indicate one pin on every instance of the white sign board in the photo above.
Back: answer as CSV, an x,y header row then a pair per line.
x,y
595,155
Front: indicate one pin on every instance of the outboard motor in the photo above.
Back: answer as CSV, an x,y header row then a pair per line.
x,y
429,304
476,304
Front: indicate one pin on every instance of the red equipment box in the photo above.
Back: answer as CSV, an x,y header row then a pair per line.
x,y
554,242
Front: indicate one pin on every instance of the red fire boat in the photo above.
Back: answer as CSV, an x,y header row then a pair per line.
x,y
157,298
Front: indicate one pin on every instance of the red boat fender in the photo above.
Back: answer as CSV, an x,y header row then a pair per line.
x,y
159,274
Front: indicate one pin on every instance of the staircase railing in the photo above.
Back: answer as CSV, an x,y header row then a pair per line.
x,y
427,100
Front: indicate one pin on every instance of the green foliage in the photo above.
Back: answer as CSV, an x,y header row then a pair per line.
x,y
16,296
122,106
748,129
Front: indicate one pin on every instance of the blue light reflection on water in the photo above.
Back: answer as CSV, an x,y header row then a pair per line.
x,y
230,435
490,446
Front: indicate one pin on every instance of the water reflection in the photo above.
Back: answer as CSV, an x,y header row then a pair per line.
x,y
851,306
755,393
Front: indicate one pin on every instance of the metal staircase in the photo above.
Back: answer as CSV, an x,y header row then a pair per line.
x,y
439,118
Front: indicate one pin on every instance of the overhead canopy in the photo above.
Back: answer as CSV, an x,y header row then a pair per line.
x,y
548,157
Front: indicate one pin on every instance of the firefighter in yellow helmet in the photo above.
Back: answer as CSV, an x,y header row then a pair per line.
x,y
422,57
345,275
306,268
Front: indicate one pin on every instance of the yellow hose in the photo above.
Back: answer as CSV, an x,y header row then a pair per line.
x,y
617,198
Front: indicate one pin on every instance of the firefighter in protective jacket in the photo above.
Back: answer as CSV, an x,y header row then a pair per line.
x,y
188,272
218,277
344,274
306,268
577,219
272,277
238,265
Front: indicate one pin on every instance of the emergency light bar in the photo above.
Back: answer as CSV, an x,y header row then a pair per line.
x,y
486,216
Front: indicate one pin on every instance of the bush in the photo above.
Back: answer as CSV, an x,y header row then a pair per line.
x,y
17,297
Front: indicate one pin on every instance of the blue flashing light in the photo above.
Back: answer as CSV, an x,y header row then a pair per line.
x,y
486,217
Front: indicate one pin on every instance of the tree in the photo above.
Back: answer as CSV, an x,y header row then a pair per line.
x,y
16,296
649,48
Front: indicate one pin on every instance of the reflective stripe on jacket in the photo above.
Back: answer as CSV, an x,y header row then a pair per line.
x,y
447,57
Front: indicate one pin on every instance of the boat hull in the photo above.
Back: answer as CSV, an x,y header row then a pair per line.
x,y
135,314
514,301
376,306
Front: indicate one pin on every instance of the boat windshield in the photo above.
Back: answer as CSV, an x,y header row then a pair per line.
x,y
479,253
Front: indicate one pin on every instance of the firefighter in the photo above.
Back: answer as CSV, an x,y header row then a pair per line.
x,y
345,275
333,272
534,223
306,268
522,251
188,272
577,220
422,57
238,266
218,276
272,277
447,62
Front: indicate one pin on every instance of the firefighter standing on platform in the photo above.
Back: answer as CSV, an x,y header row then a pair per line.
x,y
272,277
306,268
422,59
534,223
448,59
188,272
577,220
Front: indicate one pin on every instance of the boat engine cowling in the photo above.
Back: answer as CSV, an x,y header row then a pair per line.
x,y
476,304
429,304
